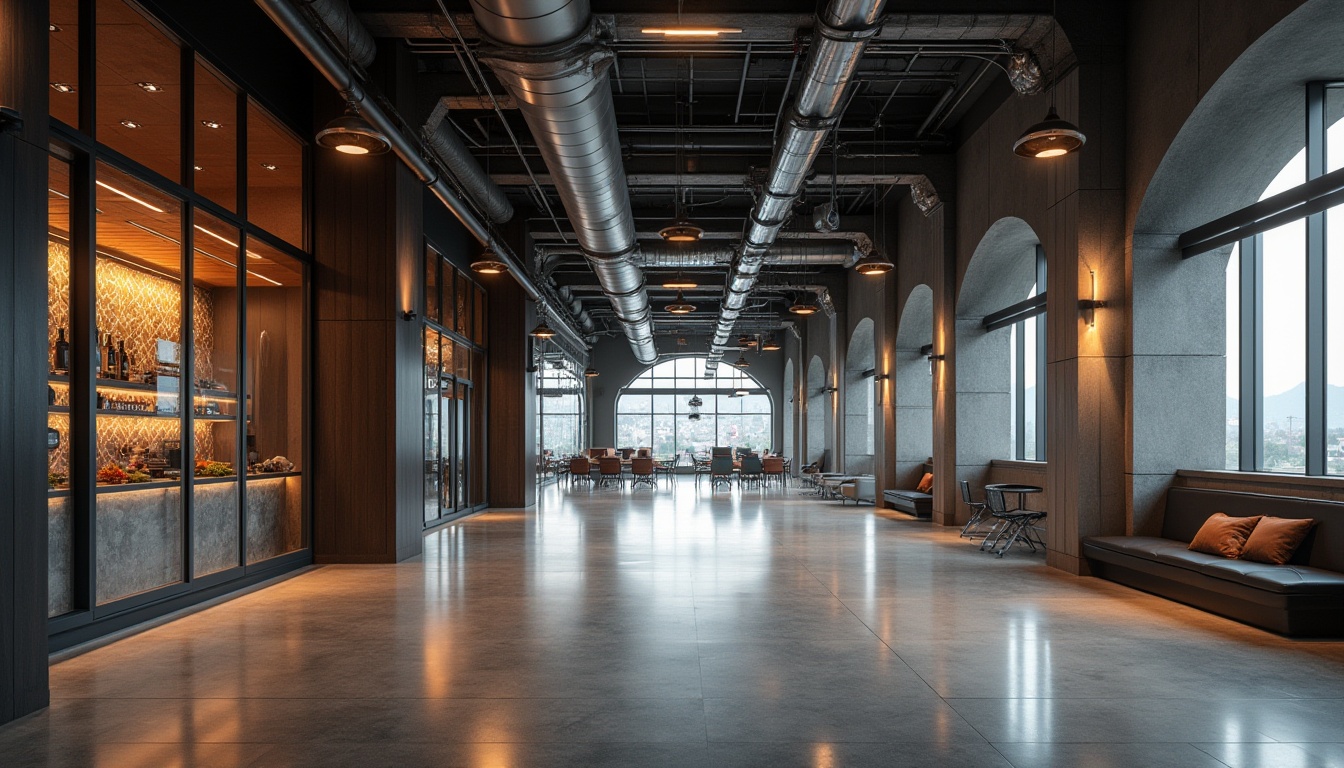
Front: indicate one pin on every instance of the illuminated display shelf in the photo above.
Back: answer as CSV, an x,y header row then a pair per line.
x,y
136,388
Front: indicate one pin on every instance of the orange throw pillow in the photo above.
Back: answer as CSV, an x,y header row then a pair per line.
x,y
1275,539
1223,535
925,483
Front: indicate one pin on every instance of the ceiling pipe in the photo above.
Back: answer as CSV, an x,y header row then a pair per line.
x,y
332,66
843,30
546,54
711,254
447,146
347,33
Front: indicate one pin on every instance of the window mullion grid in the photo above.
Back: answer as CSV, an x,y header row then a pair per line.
x,y
1041,286
1251,450
1020,395
1316,287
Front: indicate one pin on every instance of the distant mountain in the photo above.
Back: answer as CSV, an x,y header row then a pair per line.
x,y
1293,403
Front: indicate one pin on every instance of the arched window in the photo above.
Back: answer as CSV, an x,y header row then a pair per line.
x,y
657,409
1285,314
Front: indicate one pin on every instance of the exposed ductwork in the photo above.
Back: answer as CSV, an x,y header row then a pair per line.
x,y
332,66
843,30
346,30
447,146
546,54
708,254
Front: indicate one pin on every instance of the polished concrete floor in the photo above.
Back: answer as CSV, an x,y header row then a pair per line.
x,y
680,628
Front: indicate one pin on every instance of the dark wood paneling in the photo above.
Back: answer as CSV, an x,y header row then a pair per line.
x,y
368,239
512,427
23,386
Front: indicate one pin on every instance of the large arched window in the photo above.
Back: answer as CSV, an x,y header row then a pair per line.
x,y
658,409
1285,314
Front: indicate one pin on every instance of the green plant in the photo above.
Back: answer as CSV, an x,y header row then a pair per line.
x,y
138,477
213,469
57,479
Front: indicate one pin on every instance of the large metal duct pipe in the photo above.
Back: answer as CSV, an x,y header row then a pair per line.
x,y
447,146
546,55
704,255
332,66
843,30
346,31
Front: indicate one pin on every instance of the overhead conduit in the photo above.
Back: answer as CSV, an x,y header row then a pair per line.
x,y
287,16
843,30
547,57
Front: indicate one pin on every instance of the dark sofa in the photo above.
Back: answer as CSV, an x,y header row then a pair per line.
x,y
911,502
1303,598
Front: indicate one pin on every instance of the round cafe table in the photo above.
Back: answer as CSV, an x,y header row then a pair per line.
x,y
1021,490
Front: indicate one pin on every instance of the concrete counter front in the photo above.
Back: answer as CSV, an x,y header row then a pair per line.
x,y
139,534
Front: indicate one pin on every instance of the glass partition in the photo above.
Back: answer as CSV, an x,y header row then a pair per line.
x,y
274,177
215,305
139,97
60,510
63,63
274,404
140,445
215,168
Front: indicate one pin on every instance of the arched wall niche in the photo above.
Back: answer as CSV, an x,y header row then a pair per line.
x,y
816,403
913,387
1001,272
860,402
1243,131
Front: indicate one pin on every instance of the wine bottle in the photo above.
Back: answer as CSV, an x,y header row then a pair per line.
x,y
123,364
109,359
60,356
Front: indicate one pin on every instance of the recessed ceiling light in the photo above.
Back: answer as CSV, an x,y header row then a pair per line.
x,y
53,28
149,87
197,168
131,124
269,166
62,87
212,124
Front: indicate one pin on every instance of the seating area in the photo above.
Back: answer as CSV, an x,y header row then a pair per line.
x,y
724,467
1302,597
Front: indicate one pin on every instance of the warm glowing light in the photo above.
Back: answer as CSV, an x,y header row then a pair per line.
x,y
212,124
149,87
489,267
691,31
351,149
803,309
1052,152
131,124
132,198
680,285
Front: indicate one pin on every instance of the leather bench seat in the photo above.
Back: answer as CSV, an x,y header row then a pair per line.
x,y
910,502
1304,597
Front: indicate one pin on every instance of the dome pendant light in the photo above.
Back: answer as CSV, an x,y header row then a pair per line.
x,y
352,134
680,306
489,263
1053,136
741,361
803,307
542,331
874,264
591,373
681,231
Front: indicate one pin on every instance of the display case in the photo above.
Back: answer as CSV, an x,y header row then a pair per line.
x,y
177,327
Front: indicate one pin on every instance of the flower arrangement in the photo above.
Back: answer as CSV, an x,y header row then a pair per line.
x,y
111,474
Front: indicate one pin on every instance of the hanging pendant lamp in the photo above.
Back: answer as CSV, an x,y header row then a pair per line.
x,y
351,134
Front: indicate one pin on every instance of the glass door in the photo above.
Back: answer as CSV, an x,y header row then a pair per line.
x,y
460,453
449,447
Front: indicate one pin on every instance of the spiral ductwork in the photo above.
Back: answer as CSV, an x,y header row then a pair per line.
x,y
707,255
345,29
546,55
843,30
447,146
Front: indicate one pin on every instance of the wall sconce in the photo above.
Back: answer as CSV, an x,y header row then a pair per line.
x,y
408,315
1090,306
932,359
829,390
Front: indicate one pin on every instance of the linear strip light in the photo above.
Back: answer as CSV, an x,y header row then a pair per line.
x,y
691,31
223,239
204,253
132,198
